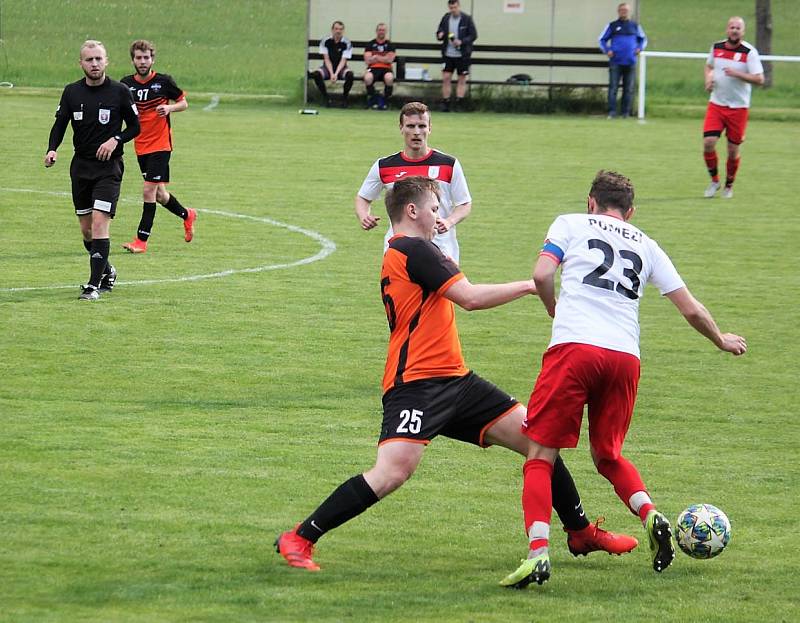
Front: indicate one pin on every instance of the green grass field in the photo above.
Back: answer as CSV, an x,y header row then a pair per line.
x,y
154,443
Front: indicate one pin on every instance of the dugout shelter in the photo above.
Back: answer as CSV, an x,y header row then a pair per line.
x,y
553,42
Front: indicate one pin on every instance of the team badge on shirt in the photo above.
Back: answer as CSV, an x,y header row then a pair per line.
x,y
104,115
433,172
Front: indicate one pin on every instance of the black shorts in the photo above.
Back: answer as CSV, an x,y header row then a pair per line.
x,y
326,75
96,185
461,407
456,64
379,73
155,166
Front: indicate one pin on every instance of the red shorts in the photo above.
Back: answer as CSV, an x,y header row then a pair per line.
x,y
732,120
574,375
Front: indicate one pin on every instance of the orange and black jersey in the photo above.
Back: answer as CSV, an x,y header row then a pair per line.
x,y
148,93
423,339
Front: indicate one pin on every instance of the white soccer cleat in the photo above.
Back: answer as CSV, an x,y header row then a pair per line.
x,y
712,189
727,192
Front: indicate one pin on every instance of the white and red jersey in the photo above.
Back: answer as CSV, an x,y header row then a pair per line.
x,y
729,91
446,170
605,264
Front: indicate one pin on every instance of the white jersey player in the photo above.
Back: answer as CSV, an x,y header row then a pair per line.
x,y
593,359
419,159
732,67
606,263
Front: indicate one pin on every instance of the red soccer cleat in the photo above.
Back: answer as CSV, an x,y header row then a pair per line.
x,y
296,550
137,246
594,539
188,224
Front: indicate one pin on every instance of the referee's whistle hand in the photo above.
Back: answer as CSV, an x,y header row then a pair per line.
x,y
50,159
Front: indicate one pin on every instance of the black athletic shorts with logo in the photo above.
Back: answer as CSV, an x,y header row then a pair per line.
x,y
460,64
459,407
155,166
96,184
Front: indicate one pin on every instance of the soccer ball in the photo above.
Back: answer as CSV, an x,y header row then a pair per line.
x,y
702,531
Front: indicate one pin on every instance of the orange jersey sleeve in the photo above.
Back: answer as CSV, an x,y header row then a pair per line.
x,y
423,338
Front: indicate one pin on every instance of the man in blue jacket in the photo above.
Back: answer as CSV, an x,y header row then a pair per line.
x,y
621,41
457,33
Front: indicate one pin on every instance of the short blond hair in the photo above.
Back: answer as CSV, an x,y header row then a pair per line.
x,y
92,43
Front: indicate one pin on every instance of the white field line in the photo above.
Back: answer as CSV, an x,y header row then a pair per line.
x,y
212,104
327,247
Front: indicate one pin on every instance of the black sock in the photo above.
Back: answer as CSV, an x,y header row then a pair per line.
x,y
370,90
98,259
320,84
566,501
174,206
87,244
349,500
387,92
146,222
348,83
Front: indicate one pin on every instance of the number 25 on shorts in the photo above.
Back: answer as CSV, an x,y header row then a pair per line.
x,y
410,421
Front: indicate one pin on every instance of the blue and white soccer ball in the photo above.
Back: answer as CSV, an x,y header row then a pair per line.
x,y
702,531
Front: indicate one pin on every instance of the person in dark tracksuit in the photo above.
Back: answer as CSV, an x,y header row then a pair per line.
x,y
96,106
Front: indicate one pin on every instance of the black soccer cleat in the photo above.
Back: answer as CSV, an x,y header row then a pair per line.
x,y
108,279
659,533
89,293
531,570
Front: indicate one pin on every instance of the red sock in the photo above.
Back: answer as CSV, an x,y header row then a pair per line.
x,y
712,164
644,509
621,473
537,501
732,166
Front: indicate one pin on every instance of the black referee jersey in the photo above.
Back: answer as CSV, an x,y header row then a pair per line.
x,y
96,114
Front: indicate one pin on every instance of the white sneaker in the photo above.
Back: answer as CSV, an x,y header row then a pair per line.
x,y
712,189
727,192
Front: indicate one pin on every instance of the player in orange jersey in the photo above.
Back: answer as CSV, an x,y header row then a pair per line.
x,y
152,93
428,390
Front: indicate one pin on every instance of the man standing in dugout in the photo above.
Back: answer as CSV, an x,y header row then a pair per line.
x,y
457,34
96,106
152,93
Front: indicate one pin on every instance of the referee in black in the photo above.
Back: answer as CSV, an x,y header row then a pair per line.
x,y
96,106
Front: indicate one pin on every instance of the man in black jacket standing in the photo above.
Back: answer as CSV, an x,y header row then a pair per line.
x,y
96,106
457,33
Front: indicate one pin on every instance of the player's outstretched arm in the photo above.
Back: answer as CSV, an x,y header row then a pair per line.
x,y
472,296
700,318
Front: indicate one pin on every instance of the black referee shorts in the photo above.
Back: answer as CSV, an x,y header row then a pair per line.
x,y
96,185
460,407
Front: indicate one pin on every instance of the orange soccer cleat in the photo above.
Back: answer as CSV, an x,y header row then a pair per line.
x,y
188,224
137,246
296,550
594,539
